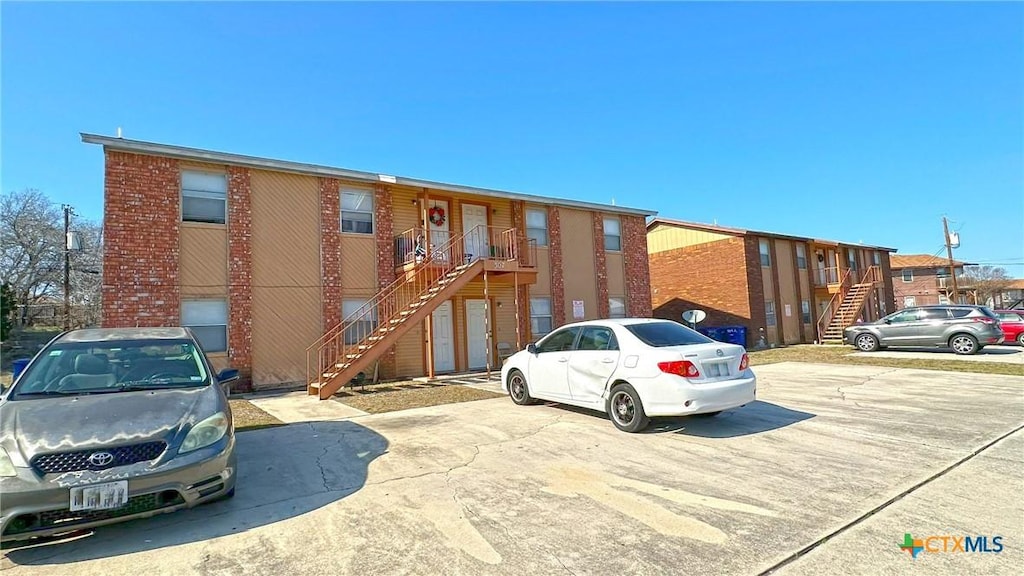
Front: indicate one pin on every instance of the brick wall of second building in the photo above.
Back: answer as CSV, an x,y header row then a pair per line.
x,y
141,231
637,267
711,277
924,287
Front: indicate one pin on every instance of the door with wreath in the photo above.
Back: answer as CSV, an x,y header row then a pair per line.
x,y
440,228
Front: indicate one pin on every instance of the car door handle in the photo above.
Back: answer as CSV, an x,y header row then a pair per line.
x,y
563,359
607,360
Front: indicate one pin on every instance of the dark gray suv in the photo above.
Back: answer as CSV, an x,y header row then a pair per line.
x,y
964,329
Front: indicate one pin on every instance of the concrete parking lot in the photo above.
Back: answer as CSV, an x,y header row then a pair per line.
x,y
825,473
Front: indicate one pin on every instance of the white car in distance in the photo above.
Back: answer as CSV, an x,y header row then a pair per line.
x,y
632,369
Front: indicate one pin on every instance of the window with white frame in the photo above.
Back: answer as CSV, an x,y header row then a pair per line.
x,y
360,327
851,258
908,275
769,313
540,316
203,197
909,301
766,255
801,256
805,311
616,307
356,211
876,258
612,234
208,320
537,225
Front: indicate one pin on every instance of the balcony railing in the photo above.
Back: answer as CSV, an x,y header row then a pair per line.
x,y
826,276
483,242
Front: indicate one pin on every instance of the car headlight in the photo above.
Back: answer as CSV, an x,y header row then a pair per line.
x,y
205,433
6,466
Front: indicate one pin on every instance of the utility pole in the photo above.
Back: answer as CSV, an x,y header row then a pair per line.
x,y
952,265
67,266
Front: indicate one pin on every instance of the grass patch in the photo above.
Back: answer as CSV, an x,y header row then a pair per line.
x,y
249,417
403,396
843,355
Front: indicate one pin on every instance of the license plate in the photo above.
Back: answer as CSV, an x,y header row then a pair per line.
x,y
100,496
717,369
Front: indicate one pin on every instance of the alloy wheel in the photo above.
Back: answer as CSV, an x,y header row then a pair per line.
x,y
517,387
623,409
963,344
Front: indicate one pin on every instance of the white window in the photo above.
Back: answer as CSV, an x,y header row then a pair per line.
x,y
358,328
909,301
805,311
208,319
537,225
616,307
612,235
851,258
876,258
766,257
801,256
908,275
357,211
769,313
540,316
203,197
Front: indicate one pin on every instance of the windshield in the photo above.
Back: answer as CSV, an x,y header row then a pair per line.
x,y
71,369
662,334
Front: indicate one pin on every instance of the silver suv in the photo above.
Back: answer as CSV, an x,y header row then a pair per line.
x,y
965,329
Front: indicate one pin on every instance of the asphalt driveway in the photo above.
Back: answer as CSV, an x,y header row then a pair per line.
x,y
491,488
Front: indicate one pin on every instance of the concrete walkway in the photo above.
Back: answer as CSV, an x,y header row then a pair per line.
x,y
1001,354
293,407
838,460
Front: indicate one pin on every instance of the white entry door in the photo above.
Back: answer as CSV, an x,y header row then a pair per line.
x,y
440,232
474,215
476,334
444,347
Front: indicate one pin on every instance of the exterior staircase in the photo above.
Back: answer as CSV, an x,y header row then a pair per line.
x,y
365,335
847,304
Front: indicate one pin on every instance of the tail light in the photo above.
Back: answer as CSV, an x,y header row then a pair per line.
x,y
683,368
985,320
744,362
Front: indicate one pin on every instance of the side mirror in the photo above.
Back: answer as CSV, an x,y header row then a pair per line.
x,y
227,375
888,320
531,348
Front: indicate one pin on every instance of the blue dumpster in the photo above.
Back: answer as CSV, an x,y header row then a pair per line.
x,y
727,334
19,365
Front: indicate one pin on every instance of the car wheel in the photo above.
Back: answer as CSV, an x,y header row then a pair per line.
x,y
964,344
708,414
1020,338
866,342
518,389
626,410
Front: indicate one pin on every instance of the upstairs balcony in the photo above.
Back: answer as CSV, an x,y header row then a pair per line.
x,y
503,251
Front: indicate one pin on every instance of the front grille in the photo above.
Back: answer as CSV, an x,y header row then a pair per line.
x,y
60,518
76,461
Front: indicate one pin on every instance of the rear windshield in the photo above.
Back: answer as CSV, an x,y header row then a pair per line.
x,y
662,334
112,366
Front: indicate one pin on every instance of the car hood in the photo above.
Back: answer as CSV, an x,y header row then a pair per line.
x,y
60,424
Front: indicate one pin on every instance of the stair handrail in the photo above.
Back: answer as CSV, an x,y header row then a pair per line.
x,y
831,303
330,351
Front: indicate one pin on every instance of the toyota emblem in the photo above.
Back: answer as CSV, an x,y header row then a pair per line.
x,y
101,459
719,352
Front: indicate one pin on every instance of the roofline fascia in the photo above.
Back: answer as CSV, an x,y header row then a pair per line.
x,y
743,232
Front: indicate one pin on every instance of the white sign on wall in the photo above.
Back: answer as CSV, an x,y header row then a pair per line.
x,y
577,309
789,310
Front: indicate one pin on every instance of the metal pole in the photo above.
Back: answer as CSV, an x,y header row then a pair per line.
x,y
519,333
952,265
67,268
487,323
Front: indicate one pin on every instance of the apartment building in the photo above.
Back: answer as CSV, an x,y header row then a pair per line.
x,y
788,289
923,279
305,274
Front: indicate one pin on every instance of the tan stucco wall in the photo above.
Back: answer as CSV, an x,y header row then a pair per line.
x,y
787,292
286,314
616,274
579,275
204,260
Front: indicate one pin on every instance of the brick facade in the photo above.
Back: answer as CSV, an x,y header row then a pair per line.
x,y
330,253
924,288
239,217
383,227
601,266
555,257
755,290
141,232
638,276
712,277
522,292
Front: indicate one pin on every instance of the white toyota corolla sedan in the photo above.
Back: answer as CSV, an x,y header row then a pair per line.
x,y
631,368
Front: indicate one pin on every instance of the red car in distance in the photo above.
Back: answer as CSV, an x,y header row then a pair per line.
x,y
1012,322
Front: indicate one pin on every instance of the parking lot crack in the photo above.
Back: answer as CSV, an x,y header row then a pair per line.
x,y
562,564
841,389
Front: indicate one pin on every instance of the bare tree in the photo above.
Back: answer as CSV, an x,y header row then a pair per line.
x,y
31,241
989,281
87,276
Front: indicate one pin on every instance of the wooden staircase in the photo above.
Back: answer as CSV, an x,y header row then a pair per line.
x,y
353,345
847,305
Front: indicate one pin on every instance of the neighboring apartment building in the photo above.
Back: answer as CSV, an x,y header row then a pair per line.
x,y
922,279
295,272
796,289
1012,295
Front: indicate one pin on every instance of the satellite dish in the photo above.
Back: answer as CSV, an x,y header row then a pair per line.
x,y
694,317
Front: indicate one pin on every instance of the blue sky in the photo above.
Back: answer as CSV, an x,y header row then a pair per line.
x,y
856,122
